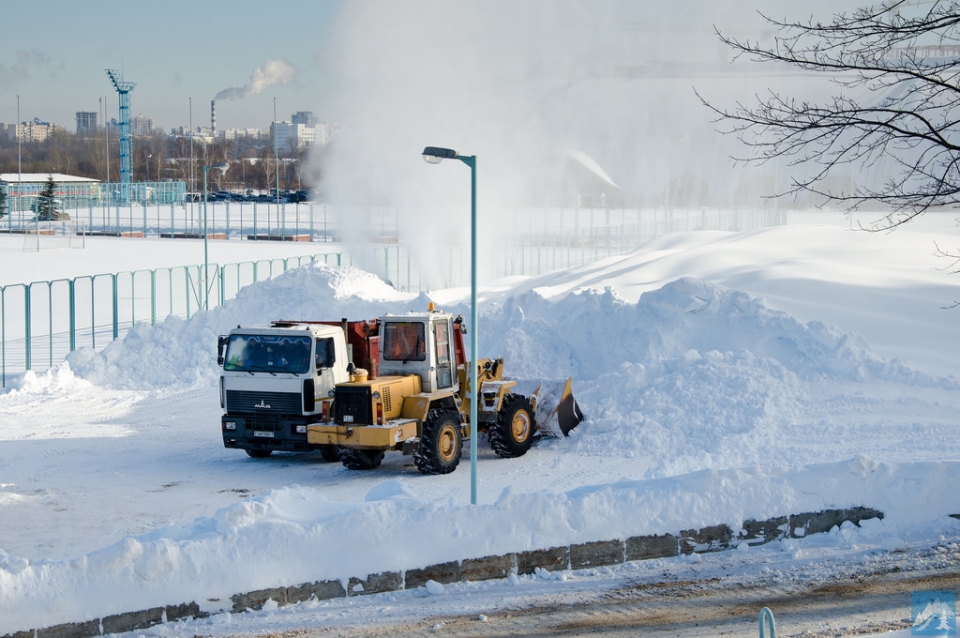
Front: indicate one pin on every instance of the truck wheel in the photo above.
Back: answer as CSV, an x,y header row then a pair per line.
x,y
360,459
330,453
512,434
258,454
440,444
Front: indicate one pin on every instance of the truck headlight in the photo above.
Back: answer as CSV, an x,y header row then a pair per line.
x,y
230,425
376,396
300,429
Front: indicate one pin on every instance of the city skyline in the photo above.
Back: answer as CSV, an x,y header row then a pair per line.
x,y
180,57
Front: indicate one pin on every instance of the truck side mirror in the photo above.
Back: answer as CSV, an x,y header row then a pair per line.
x,y
221,349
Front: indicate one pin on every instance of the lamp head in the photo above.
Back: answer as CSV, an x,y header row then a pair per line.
x,y
435,154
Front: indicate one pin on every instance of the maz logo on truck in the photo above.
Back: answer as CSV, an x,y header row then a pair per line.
x,y
263,404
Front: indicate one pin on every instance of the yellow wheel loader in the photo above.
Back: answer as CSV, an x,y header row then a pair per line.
x,y
415,399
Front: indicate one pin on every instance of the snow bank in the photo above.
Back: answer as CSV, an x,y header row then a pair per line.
x,y
296,534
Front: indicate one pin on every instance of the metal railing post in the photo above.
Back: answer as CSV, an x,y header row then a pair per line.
x,y
72,287
28,328
766,614
153,297
116,308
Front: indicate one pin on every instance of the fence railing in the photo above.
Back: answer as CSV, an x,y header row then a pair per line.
x,y
43,321
307,221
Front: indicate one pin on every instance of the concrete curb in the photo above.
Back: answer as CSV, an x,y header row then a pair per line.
x,y
579,556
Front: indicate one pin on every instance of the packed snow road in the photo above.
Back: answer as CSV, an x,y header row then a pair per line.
x,y
840,593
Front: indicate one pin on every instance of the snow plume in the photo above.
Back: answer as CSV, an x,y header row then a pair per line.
x,y
556,99
272,72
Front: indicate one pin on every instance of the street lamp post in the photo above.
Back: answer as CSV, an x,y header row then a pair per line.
x,y
223,166
435,155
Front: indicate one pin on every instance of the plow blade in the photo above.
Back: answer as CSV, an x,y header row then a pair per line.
x,y
556,410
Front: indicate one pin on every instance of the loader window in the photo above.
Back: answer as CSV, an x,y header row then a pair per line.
x,y
403,341
268,353
441,337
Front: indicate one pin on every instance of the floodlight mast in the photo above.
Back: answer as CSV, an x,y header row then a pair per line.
x,y
435,155
123,89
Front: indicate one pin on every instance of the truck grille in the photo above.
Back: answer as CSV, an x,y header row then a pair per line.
x,y
239,401
353,405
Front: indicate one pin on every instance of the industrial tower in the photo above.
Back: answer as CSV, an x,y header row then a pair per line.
x,y
123,88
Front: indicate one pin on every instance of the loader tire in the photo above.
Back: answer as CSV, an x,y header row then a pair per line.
x,y
360,459
512,435
330,453
440,443
255,453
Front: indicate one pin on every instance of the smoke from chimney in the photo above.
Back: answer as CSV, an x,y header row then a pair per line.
x,y
272,72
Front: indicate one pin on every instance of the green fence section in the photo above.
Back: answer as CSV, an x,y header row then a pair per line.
x,y
43,321
40,323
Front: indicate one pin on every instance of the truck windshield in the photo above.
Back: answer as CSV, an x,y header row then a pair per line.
x,y
403,341
268,353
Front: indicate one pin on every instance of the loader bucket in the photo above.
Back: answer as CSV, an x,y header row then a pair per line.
x,y
556,410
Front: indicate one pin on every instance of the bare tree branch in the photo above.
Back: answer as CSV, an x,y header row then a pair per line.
x,y
906,61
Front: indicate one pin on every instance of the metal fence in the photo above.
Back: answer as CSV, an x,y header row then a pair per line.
x,y
236,220
43,321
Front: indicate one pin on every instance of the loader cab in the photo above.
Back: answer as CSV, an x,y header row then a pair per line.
x,y
420,344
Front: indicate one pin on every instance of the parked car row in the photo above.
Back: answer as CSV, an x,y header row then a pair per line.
x,y
268,198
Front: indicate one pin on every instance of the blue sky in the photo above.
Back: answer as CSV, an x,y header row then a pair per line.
x,y
182,53
175,50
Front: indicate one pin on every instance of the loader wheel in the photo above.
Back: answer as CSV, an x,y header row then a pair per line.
x,y
330,453
360,459
440,443
512,434
258,454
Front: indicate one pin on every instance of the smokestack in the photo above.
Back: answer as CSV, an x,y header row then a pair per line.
x,y
213,118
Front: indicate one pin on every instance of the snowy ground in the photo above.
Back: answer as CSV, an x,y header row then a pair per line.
x,y
725,376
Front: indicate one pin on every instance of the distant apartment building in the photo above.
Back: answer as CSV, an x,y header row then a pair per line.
x,y
288,135
240,133
141,125
35,131
307,118
86,123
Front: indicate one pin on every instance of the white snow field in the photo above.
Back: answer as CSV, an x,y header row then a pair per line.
x,y
724,377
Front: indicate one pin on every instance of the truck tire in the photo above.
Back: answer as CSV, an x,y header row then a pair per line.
x,y
440,444
360,459
512,435
330,453
257,453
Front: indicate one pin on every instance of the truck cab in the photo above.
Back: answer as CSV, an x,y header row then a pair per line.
x,y
274,382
